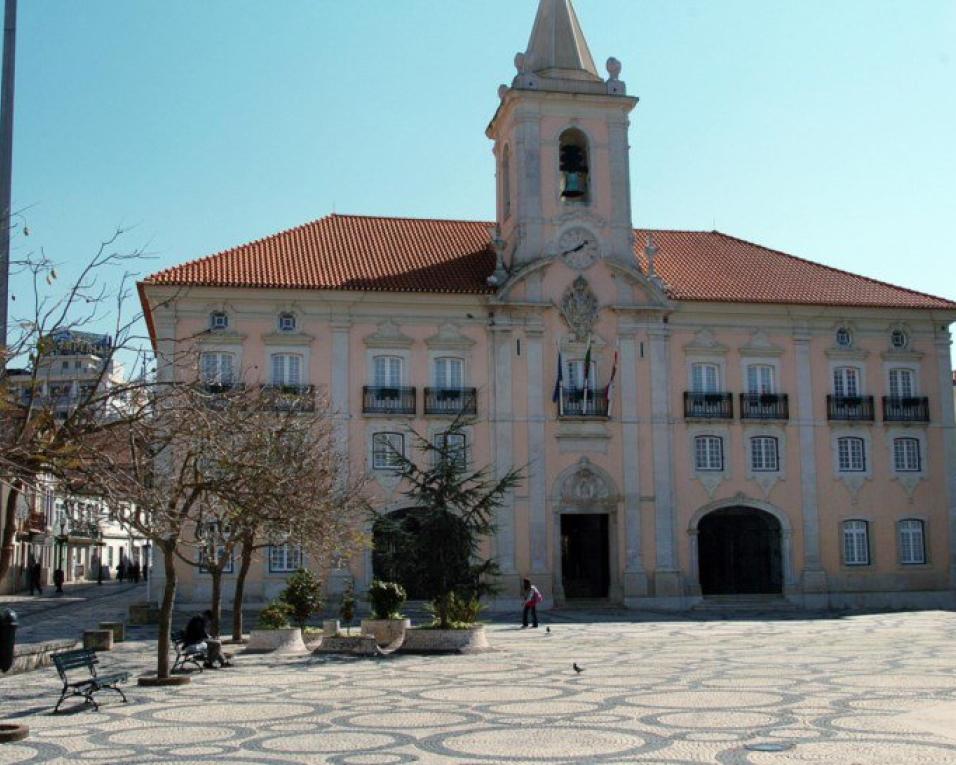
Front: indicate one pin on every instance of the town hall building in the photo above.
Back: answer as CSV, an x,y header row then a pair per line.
x,y
699,415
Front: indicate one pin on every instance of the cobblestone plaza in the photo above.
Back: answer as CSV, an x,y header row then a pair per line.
x,y
861,690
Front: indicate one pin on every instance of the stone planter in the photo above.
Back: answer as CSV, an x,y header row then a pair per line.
x,y
118,628
286,640
359,645
386,631
10,732
98,640
472,640
142,614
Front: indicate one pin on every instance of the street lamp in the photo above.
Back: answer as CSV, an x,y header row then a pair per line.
x,y
99,554
58,575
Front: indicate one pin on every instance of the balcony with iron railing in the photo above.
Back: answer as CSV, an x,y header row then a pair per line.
x,y
764,406
909,409
451,402
379,399
290,398
708,406
850,408
577,402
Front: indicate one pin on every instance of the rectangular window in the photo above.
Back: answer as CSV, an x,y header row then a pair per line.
x,y
386,448
285,558
203,557
705,378
902,383
906,455
387,371
455,447
846,382
912,541
852,455
449,373
764,454
217,368
856,543
286,369
709,453
760,379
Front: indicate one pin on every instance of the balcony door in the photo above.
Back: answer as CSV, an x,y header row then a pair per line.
x,y
902,383
576,376
760,380
387,372
449,373
705,378
846,382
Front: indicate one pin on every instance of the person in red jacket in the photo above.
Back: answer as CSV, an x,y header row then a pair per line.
x,y
532,596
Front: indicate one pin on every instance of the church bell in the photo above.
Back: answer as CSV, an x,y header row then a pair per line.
x,y
575,185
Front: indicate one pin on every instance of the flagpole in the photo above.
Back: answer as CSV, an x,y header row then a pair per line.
x,y
557,343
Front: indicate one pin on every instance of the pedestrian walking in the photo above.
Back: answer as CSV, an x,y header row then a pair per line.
x,y
121,569
36,578
532,597
134,572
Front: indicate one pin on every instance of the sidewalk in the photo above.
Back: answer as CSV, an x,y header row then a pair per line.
x,y
55,616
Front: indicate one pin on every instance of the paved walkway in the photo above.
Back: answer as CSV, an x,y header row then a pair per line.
x,y
860,690
53,616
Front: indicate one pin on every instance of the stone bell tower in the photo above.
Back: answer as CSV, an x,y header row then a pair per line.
x,y
561,149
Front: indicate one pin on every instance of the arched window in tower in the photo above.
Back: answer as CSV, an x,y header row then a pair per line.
x,y
506,182
574,166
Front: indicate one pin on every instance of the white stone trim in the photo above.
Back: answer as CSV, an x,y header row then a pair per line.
x,y
766,479
854,481
909,480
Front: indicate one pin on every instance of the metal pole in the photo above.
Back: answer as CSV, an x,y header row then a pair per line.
x,y
6,156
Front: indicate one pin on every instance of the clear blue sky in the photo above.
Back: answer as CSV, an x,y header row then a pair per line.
x,y
826,129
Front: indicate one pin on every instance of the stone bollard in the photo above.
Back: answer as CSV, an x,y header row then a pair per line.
x,y
143,613
118,628
330,628
98,640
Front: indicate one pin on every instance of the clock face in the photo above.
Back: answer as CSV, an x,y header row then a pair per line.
x,y
579,248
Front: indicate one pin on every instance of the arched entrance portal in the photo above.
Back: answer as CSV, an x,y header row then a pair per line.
x,y
740,552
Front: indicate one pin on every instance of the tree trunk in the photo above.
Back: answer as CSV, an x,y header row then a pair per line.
x,y
244,565
216,606
9,531
166,611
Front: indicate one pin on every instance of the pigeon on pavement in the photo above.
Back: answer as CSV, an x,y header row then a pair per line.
x,y
577,669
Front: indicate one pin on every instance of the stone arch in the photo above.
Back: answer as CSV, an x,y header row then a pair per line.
x,y
744,502
585,489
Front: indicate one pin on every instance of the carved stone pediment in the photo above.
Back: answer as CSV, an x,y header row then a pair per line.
x,y
579,306
449,338
705,342
388,335
586,487
761,345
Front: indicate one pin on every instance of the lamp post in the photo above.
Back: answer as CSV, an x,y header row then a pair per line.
x,y
99,555
58,575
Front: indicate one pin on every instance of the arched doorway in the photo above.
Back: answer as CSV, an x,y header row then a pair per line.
x,y
740,552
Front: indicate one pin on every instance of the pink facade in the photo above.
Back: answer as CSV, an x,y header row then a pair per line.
x,y
739,451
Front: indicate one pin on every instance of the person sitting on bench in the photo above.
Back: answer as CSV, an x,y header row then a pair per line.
x,y
197,631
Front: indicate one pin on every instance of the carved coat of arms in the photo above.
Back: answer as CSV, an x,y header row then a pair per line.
x,y
579,306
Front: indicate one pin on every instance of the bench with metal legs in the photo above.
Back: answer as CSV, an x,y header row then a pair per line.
x,y
84,658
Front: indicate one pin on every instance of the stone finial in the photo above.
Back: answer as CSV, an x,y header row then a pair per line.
x,y
650,251
503,91
614,68
500,276
520,61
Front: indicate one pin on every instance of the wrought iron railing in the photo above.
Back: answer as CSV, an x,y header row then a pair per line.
x,y
291,398
576,402
764,406
911,409
709,406
850,408
387,399
451,401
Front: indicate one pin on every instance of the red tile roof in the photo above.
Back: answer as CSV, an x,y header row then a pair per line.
x,y
347,252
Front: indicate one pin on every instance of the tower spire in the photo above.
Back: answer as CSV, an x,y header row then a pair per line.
x,y
557,46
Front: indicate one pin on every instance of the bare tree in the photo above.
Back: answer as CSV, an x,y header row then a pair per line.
x,y
43,434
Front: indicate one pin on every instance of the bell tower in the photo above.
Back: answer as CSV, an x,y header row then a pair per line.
x,y
561,148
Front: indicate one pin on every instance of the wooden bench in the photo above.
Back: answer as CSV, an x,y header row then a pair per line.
x,y
71,660
188,654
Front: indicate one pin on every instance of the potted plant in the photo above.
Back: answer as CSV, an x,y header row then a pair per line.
x,y
387,623
300,599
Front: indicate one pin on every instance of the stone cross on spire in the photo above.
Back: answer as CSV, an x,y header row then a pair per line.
x,y
557,47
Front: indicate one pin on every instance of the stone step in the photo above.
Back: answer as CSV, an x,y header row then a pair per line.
x,y
744,603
